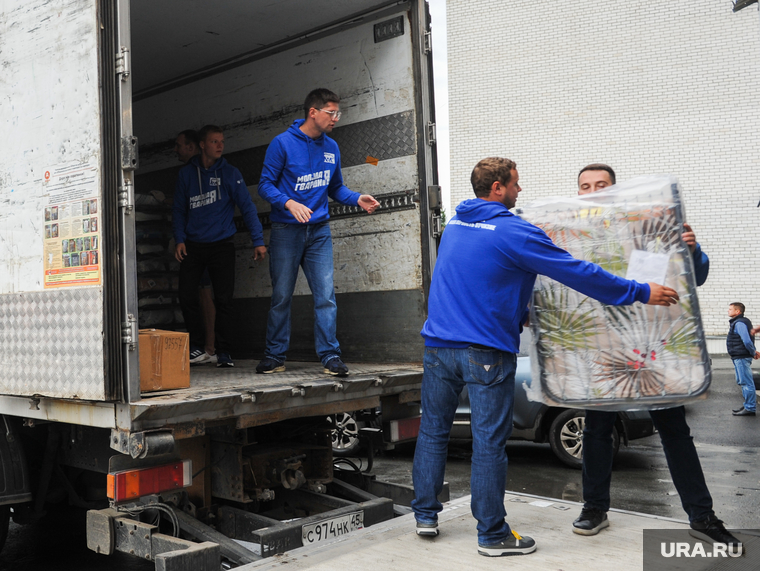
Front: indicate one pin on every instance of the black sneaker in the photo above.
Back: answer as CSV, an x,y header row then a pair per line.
x,y
590,522
427,529
224,360
336,367
741,408
712,530
513,545
270,365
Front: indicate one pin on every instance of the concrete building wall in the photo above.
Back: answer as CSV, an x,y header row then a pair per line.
x,y
647,86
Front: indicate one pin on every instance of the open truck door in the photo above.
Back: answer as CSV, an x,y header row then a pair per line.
x,y
61,236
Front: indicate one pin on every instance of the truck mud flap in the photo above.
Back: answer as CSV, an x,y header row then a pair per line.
x,y
267,537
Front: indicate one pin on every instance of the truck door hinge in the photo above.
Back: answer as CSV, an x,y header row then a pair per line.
x,y
127,197
436,226
431,133
129,156
427,43
129,332
434,197
123,64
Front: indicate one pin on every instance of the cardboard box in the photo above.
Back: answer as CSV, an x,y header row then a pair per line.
x,y
164,360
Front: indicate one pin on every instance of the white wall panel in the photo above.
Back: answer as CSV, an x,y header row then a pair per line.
x,y
647,86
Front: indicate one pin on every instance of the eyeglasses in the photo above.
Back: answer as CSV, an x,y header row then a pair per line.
x,y
334,114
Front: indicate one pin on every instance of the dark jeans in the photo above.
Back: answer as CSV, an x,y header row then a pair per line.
x,y
219,259
678,445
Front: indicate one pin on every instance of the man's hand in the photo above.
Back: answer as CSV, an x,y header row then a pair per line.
x,y
661,295
754,330
368,203
259,253
180,252
299,211
689,237
757,355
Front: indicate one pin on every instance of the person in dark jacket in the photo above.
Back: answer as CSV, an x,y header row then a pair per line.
x,y
186,146
487,265
740,343
301,170
677,443
207,192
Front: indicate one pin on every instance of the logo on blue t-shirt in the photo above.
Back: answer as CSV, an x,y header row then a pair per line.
x,y
330,158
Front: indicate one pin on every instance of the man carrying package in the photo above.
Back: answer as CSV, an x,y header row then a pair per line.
x,y
483,280
677,443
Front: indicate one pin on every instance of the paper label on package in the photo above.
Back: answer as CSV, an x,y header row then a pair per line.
x,y
645,267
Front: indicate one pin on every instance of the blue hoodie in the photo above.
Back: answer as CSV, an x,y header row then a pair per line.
x,y
207,214
306,170
483,280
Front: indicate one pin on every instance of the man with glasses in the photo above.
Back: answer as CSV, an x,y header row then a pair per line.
x,y
301,170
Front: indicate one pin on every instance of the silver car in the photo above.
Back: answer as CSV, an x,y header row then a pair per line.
x,y
561,427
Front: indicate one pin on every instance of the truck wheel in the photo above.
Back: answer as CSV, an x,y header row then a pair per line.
x,y
566,437
5,516
345,433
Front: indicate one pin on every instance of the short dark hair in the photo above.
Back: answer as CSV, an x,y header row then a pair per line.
x,y
190,135
738,305
488,171
318,98
206,129
599,167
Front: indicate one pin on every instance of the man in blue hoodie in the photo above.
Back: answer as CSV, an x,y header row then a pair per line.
x,y
677,443
301,170
207,191
483,279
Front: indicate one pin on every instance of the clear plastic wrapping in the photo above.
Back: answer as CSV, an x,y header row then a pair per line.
x,y
587,354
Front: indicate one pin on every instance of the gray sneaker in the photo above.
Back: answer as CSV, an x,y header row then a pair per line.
x,y
427,529
514,544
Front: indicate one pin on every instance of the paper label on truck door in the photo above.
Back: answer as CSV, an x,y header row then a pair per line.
x,y
72,226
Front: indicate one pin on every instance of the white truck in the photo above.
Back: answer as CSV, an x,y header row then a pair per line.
x,y
92,95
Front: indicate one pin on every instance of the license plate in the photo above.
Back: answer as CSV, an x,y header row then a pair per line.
x,y
330,528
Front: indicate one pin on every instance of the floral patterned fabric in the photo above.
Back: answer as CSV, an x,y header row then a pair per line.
x,y
588,354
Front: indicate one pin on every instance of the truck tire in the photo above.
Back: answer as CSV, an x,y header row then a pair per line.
x,y
566,437
5,516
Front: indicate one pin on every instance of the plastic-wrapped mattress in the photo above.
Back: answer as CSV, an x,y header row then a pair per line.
x,y
587,354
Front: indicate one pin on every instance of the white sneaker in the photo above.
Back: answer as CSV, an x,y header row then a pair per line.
x,y
202,359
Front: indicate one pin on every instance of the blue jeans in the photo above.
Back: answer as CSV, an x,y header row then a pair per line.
x,y
743,368
310,247
490,379
680,453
